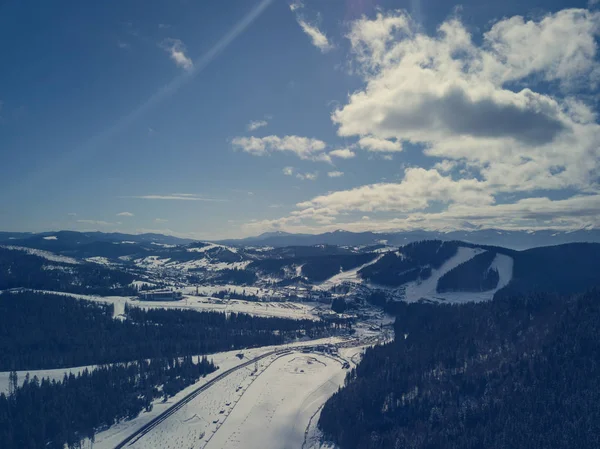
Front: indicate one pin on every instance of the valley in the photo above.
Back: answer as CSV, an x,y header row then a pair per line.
x,y
334,302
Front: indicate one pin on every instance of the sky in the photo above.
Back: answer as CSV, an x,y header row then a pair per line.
x,y
228,119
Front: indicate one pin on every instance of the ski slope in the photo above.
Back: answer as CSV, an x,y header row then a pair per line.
x,y
346,276
427,289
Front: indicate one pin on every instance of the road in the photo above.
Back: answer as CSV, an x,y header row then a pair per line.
x,y
175,407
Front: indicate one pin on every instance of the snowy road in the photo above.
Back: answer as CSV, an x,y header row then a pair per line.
x,y
260,406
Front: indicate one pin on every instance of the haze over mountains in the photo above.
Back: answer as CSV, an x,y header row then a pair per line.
x,y
497,237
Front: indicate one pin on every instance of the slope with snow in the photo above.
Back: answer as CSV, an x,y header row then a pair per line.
x,y
45,254
426,289
415,291
346,276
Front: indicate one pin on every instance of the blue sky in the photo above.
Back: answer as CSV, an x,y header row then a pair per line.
x,y
222,119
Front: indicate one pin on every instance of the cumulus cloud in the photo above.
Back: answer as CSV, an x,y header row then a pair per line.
x,y
497,116
417,191
288,171
335,174
461,101
374,144
124,214
303,147
255,124
177,51
317,37
343,153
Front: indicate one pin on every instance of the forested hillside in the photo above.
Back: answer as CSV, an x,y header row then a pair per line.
x,y
19,269
42,331
413,261
562,269
474,275
517,372
45,414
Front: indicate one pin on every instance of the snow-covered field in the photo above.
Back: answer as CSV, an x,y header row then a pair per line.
x,y
287,309
277,407
225,360
257,407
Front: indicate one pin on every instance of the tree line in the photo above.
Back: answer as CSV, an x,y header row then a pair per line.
x,y
21,270
43,331
51,414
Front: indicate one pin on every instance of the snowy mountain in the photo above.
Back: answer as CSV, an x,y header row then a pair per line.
x,y
432,270
497,237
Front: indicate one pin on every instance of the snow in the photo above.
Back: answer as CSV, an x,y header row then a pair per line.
x,y
278,406
280,309
202,249
109,438
346,276
155,262
294,310
139,284
210,246
100,260
45,254
51,237
416,290
247,409
52,374
502,263
163,245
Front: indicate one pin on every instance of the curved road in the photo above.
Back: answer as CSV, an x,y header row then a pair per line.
x,y
175,407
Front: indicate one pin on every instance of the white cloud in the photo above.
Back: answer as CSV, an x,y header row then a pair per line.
x,y
97,222
303,147
417,191
161,220
455,98
72,214
296,5
123,45
317,37
177,197
335,174
255,124
497,116
288,171
177,52
124,214
307,176
374,144
343,153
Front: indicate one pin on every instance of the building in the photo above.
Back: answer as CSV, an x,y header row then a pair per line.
x,y
160,295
